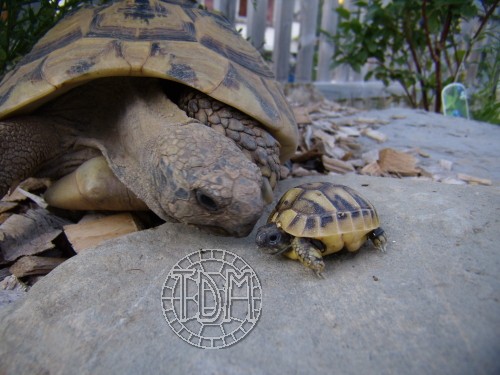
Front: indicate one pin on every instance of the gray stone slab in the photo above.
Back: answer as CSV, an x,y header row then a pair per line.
x,y
472,146
430,304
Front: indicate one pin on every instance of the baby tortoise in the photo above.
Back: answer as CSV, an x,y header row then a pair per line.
x,y
317,219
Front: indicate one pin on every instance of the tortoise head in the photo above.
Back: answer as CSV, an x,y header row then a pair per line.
x,y
203,178
273,240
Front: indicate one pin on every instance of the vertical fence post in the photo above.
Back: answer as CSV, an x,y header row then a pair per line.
x,y
326,47
308,25
256,22
283,13
227,8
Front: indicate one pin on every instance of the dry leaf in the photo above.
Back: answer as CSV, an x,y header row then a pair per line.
x,y
33,265
337,166
401,163
30,233
89,234
29,184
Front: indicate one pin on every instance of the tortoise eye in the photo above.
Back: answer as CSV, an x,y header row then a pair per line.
x,y
274,238
206,201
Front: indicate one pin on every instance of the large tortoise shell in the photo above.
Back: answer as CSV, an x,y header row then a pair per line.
x,y
169,39
322,209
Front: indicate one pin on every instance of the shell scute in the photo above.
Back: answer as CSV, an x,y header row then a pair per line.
x,y
318,210
169,39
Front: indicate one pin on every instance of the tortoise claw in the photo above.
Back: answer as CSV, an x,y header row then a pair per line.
x,y
320,274
379,239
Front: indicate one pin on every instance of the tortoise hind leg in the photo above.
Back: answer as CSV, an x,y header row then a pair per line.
x,y
304,250
25,144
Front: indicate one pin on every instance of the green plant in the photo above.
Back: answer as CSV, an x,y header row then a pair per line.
x,y
485,101
417,43
22,23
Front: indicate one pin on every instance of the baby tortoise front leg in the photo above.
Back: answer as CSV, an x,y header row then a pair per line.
x,y
304,250
273,240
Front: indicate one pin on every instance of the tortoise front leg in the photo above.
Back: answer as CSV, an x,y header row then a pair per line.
x,y
25,144
93,186
309,255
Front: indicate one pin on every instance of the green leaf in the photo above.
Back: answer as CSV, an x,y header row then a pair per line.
x,y
343,12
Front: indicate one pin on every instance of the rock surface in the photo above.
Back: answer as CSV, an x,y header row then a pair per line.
x,y
430,304
471,146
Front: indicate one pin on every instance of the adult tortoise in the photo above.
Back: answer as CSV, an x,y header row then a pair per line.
x,y
320,218
114,98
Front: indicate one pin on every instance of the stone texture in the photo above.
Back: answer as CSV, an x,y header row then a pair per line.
x,y
471,146
430,304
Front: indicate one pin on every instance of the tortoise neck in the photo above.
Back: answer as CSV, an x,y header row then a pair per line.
x,y
115,112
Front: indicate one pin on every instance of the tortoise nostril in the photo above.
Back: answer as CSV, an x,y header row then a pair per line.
x,y
206,201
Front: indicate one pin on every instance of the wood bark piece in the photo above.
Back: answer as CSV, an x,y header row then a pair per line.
x,y
306,155
34,265
397,162
347,131
6,206
29,234
326,139
29,184
372,169
337,166
375,134
473,179
88,234
299,171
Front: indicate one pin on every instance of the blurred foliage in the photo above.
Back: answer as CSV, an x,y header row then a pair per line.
x,y
24,22
485,98
420,44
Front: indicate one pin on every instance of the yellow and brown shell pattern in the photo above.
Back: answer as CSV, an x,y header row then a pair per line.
x,y
336,215
168,39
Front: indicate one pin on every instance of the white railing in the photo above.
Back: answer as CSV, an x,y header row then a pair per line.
x,y
288,30
286,34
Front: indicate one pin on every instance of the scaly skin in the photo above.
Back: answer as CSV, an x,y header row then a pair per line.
x,y
182,170
248,134
274,240
307,254
24,143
